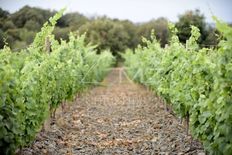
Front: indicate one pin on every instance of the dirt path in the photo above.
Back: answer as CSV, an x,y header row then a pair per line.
x,y
118,117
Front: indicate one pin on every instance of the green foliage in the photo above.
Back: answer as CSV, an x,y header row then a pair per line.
x,y
161,27
34,82
2,38
3,14
72,20
195,82
114,34
186,20
61,33
208,33
107,34
8,24
46,31
32,25
27,13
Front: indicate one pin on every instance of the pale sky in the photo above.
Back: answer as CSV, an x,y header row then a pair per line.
x,y
134,10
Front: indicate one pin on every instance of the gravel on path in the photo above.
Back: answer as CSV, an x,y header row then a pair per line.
x,y
118,117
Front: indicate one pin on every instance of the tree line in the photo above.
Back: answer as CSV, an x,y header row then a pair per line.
x,y
18,29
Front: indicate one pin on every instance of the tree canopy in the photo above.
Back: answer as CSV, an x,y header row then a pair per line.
x,y
195,18
19,28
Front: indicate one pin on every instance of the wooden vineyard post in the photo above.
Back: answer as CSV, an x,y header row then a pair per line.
x,y
47,123
47,45
187,124
125,74
120,75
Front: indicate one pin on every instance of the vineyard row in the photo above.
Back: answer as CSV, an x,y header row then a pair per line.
x,y
196,83
36,80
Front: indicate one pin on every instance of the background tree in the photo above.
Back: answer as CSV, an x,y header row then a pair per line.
x,y
20,27
160,26
212,37
208,33
2,36
32,14
107,34
62,33
73,20
4,15
131,30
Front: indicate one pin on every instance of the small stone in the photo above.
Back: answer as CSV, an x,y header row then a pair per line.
x,y
130,148
78,124
51,146
173,146
154,139
44,151
163,148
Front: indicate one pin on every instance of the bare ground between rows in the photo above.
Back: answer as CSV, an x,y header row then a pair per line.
x,y
118,117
